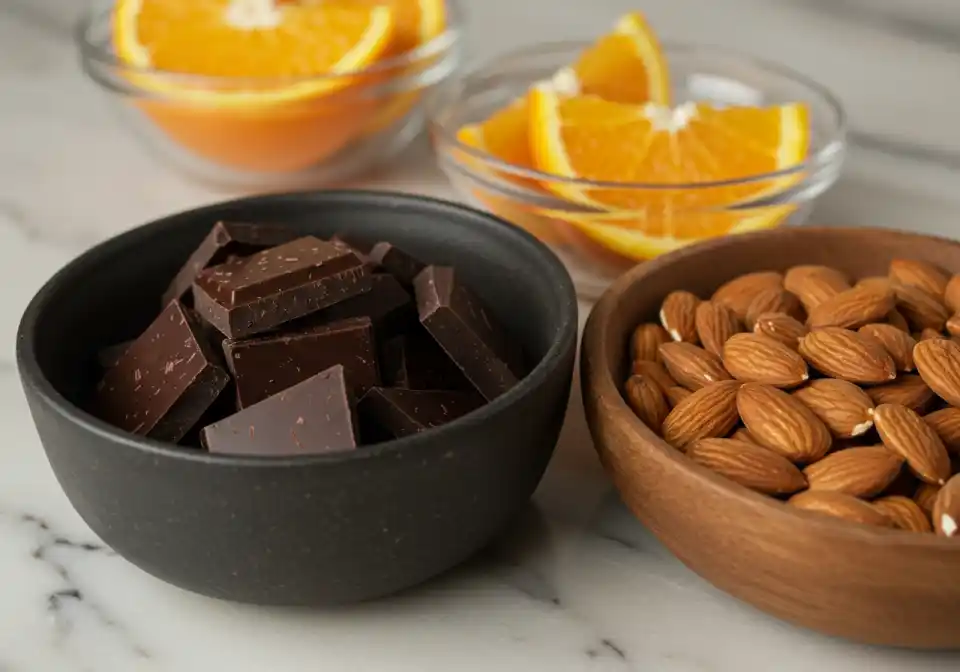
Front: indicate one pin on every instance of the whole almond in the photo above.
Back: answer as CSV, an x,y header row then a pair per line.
x,y
946,423
742,434
814,284
843,407
737,294
847,355
922,310
692,366
928,334
926,495
646,340
919,274
749,465
946,509
754,358
880,282
907,390
839,505
898,344
715,324
904,512
938,363
852,308
676,394
951,296
896,319
710,412
678,315
780,327
647,401
861,472
781,423
953,325
773,300
905,433
655,372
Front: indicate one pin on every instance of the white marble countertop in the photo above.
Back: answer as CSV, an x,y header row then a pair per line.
x,y
578,584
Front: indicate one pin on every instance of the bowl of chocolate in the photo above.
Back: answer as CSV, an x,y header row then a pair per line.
x,y
303,399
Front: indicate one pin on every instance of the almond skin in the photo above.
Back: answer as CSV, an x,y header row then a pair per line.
x,y
737,294
946,423
749,465
905,433
951,295
896,319
904,512
654,372
710,412
938,362
676,394
839,505
946,509
843,407
922,310
880,282
781,423
926,495
853,308
847,355
953,325
692,366
773,300
780,327
742,434
646,340
898,343
927,335
715,324
758,359
647,401
814,284
678,315
861,472
907,390
919,274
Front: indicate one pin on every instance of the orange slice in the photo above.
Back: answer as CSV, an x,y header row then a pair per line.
x,y
416,21
676,149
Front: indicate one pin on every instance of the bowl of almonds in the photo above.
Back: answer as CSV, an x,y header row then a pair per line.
x,y
782,410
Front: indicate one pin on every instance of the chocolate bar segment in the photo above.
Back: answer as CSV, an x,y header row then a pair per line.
x,y
388,305
260,292
224,240
401,265
315,416
164,381
266,365
466,331
398,413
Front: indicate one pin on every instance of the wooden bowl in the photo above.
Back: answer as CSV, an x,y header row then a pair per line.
x,y
871,585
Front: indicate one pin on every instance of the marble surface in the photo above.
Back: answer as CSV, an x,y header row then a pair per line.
x,y
577,584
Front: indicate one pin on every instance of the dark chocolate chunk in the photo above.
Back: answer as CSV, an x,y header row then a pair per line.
x,y
224,240
414,361
266,365
362,247
315,416
272,287
396,262
466,331
400,413
110,355
388,305
165,381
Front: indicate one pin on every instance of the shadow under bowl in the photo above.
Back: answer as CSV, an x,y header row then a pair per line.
x,y
867,584
311,530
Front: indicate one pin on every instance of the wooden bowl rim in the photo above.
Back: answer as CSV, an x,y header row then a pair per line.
x,y
609,397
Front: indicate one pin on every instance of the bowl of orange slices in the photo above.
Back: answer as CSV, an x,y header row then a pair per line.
x,y
621,149
272,94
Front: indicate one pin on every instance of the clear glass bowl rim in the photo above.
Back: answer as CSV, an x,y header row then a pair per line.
x,y
93,52
484,70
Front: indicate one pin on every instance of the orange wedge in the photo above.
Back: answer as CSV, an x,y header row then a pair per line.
x,y
681,150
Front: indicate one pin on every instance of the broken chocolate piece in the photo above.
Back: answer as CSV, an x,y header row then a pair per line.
x,y
224,240
110,355
388,305
466,331
414,361
165,381
272,287
396,262
266,365
315,416
400,413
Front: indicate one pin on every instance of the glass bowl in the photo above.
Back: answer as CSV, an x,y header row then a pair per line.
x,y
359,119
597,245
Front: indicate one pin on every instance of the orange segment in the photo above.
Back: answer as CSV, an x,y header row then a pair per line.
x,y
416,21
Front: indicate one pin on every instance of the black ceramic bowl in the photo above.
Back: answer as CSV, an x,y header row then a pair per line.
x,y
307,530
